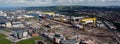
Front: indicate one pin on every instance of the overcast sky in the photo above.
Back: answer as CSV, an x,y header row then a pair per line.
x,y
22,3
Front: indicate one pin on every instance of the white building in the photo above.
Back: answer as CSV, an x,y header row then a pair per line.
x,y
3,14
73,19
20,34
17,25
79,26
19,17
25,34
28,16
100,24
8,24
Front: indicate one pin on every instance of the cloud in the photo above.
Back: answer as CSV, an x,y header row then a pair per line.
x,y
59,2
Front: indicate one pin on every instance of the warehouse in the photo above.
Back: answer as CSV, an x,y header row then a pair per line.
x,y
20,34
17,25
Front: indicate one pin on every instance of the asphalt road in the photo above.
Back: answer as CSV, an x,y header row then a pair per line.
x,y
114,33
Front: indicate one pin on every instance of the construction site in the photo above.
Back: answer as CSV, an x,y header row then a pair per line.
x,y
83,29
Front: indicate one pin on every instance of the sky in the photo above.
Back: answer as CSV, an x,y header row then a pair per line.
x,y
26,3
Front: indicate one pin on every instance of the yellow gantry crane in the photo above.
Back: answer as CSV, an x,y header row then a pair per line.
x,y
87,20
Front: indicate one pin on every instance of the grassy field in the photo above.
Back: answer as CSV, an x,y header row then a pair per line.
x,y
27,41
2,36
3,40
37,38
7,30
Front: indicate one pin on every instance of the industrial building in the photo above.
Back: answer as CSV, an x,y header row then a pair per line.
x,y
28,16
46,15
76,18
20,34
2,18
78,26
17,25
19,17
99,24
58,38
3,14
49,13
51,26
2,23
72,41
9,24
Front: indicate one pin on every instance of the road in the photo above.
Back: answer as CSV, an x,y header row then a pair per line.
x,y
114,33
